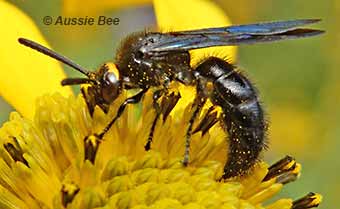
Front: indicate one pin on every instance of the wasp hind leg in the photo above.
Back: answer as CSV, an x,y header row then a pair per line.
x,y
198,105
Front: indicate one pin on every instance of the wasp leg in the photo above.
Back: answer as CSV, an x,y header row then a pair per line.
x,y
131,100
198,103
156,95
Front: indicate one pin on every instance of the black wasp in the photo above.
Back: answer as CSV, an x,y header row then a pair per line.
x,y
153,59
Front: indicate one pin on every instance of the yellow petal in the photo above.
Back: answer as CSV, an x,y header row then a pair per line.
x,y
87,7
179,15
24,74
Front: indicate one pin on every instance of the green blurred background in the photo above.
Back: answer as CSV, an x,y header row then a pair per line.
x,y
298,80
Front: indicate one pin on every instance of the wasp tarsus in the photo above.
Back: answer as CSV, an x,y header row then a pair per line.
x,y
152,59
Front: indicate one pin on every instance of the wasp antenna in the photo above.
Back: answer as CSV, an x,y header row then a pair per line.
x,y
53,54
76,81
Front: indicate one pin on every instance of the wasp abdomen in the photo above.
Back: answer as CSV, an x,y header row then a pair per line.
x,y
246,131
242,114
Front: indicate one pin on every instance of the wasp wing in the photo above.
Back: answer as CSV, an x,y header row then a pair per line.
x,y
267,28
230,36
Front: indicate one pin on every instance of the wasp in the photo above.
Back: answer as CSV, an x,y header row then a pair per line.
x,y
149,60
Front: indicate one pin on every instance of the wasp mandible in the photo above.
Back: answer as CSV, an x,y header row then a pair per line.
x,y
154,59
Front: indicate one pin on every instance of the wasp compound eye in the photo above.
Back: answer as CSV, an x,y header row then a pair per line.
x,y
110,87
110,84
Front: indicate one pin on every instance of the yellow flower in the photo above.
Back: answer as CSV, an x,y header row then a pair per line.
x,y
48,161
43,164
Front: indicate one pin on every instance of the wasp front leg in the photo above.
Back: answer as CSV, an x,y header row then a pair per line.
x,y
92,142
131,100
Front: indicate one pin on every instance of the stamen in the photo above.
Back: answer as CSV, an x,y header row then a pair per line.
x,y
209,120
68,192
283,167
15,151
311,200
168,103
290,176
